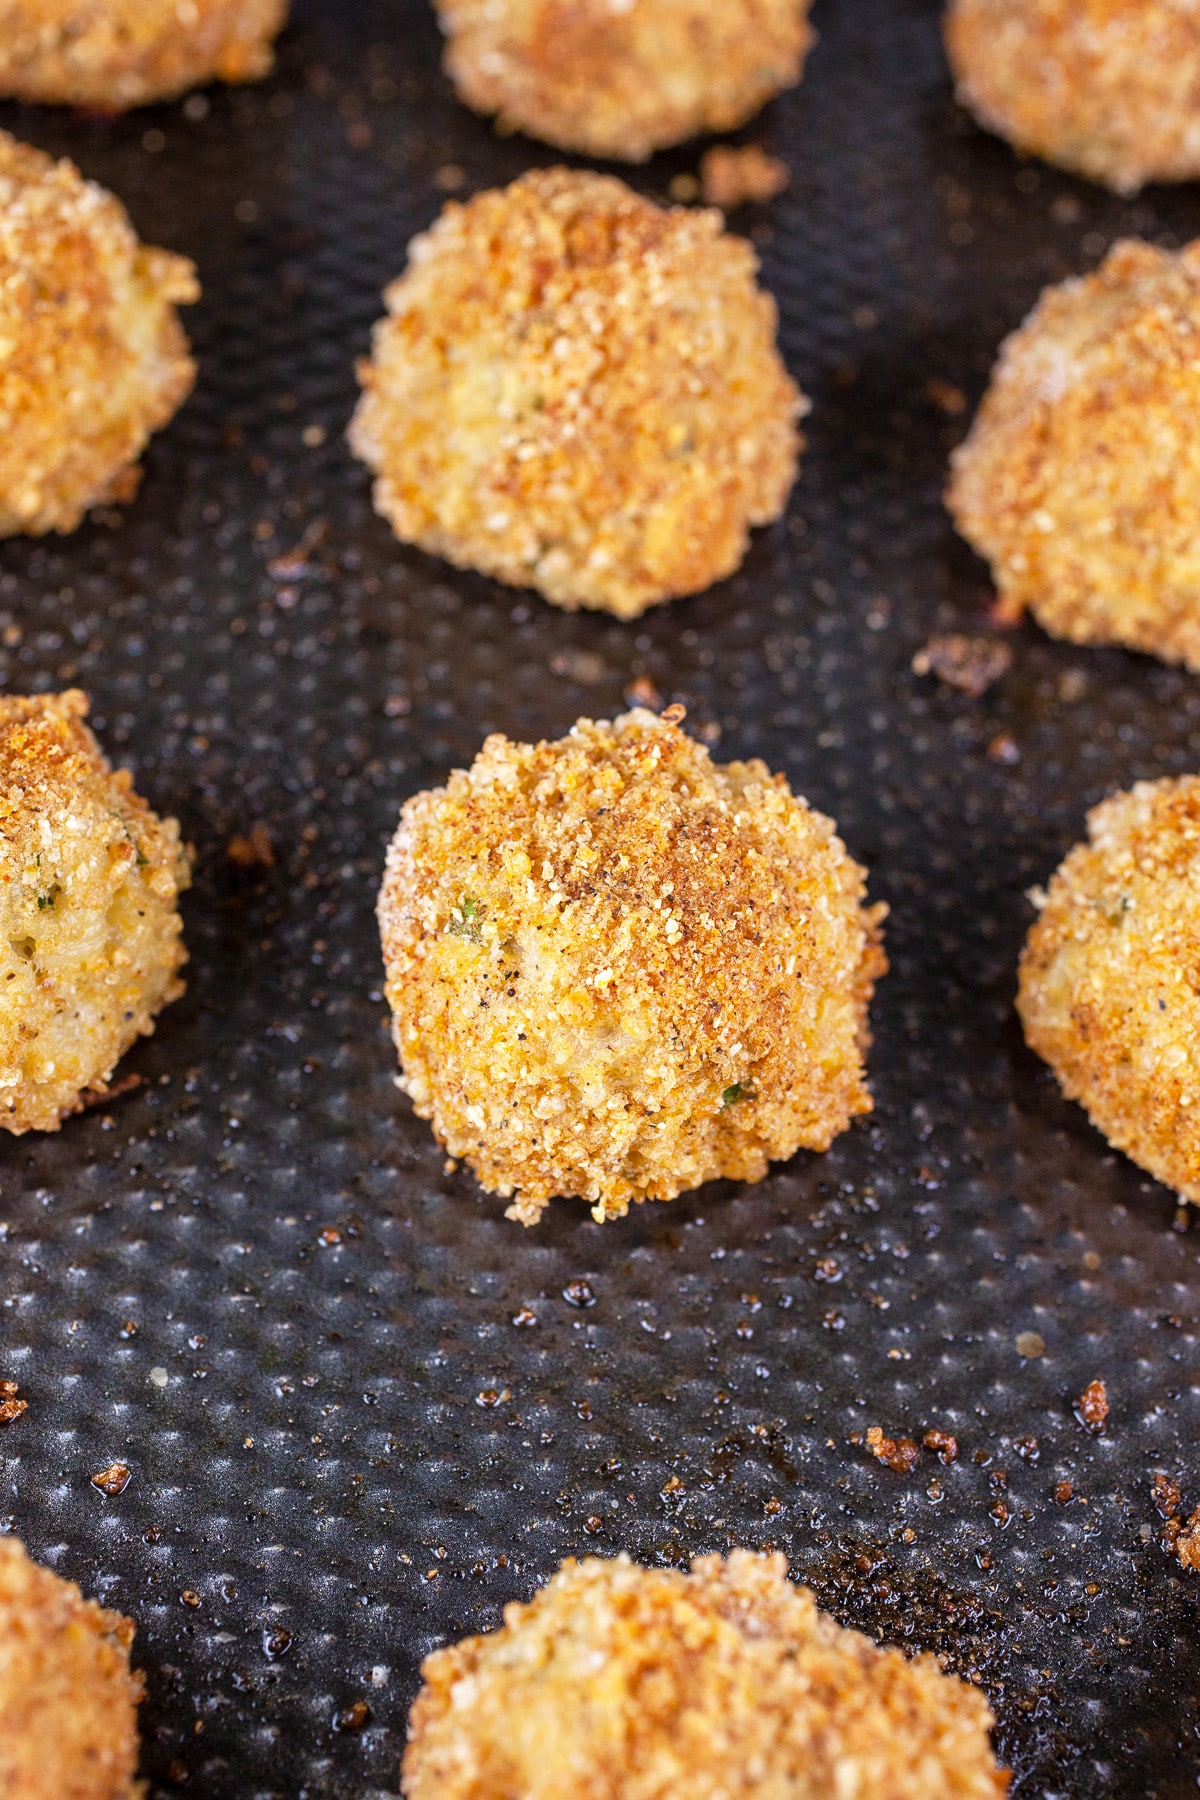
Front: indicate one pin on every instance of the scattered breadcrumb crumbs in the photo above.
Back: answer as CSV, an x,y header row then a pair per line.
x,y
898,1454
972,664
252,849
943,1443
10,1407
622,1683
113,1480
1091,1408
948,398
1187,1544
732,176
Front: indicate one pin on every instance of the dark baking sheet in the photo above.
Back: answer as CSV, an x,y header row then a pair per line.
x,y
357,1454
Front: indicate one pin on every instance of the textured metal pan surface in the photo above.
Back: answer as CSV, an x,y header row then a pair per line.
x,y
252,1280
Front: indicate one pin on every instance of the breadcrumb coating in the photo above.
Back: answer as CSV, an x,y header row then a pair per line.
x,y
1080,479
92,355
1108,88
68,1700
617,970
623,80
579,392
622,1683
1110,976
113,54
90,940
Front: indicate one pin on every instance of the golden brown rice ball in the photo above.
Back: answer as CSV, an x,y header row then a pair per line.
x,y
90,943
622,1683
617,970
579,392
1109,976
68,1700
1108,88
1080,479
92,355
627,79
113,54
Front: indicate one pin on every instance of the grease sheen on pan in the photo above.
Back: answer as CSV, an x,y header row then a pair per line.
x,y
617,969
112,54
1108,88
68,1700
622,1683
578,391
1080,478
92,356
623,80
1109,989
90,934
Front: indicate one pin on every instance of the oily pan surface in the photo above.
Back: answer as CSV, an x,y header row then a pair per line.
x,y
339,1441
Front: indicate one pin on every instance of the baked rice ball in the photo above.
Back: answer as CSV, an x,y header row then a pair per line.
x,y
623,1683
90,944
1080,479
1107,88
579,392
92,355
113,54
68,1699
617,969
623,80
1108,989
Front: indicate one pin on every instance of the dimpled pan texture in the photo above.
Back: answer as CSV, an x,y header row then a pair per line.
x,y
253,1282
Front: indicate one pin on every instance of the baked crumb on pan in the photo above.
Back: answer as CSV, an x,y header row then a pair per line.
x,y
90,944
1107,988
622,1683
68,1699
1108,88
92,355
579,391
617,970
113,54
1080,479
623,80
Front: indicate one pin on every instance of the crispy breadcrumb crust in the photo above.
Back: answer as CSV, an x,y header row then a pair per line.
x,y
90,940
1080,479
113,54
1110,977
623,81
617,970
68,1700
1108,88
92,355
622,1683
580,392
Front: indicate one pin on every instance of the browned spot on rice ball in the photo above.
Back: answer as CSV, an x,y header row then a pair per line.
x,y
112,54
618,970
579,392
1108,88
1110,977
90,943
1080,478
92,355
622,1683
68,1700
623,80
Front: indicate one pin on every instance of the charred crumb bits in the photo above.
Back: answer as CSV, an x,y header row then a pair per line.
x,y
1091,1408
732,176
579,392
590,942
93,359
898,1454
971,664
68,1699
10,1406
113,1480
943,1444
1063,1493
622,80
1168,1496
671,1686
1187,1544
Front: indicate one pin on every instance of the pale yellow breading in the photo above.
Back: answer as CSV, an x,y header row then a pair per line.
x,y
112,54
1080,479
623,1683
90,943
68,1700
92,356
623,80
580,392
1108,88
1109,987
617,970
